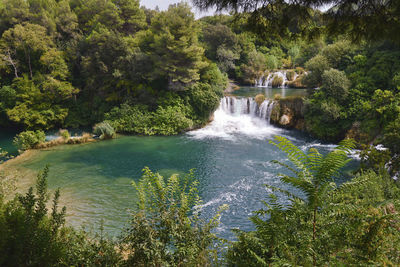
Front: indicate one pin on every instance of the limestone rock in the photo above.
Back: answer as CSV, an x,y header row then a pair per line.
x,y
284,120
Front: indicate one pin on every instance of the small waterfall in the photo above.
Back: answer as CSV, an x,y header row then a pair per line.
x,y
241,116
247,106
266,80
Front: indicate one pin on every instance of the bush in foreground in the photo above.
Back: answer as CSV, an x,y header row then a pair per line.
x,y
356,223
166,230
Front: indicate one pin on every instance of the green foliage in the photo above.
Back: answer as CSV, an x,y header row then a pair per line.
x,y
323,224
29,236
335,84
174,48
82,248
29,139
316,67
64,134
166,228
271,62
104,130
137,119
204,100
259,99
3,156
339,54
373,158
254,68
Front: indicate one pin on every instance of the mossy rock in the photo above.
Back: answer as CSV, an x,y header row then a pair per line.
x,y
260,98
277,81
298,83
299,70
290,75
275,113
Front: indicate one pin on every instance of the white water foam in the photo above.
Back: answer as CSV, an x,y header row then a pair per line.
x,y
239,116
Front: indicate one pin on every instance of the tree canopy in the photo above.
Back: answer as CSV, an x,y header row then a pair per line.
x,y
369,19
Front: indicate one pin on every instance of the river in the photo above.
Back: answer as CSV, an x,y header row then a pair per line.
x,y
231,157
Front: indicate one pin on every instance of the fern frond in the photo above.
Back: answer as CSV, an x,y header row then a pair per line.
x,y
295,155
283,191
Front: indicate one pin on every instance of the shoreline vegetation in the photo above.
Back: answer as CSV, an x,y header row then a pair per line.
x,y
119,67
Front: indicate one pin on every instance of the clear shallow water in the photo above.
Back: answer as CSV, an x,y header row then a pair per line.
x,y
6,138
231,157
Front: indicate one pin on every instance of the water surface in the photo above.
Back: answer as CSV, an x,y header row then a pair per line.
x,y
231,156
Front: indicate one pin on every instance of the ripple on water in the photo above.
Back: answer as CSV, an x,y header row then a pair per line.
x,y
231,156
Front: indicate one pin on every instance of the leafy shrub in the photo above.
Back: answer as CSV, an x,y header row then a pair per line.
x,y
104,130
3,155
271,62
29,139
169,120
204,100
316,67
32,237
290,75
297,83
29,237
277,81
373,158
86,249
166,230
64,134
338,54
335,84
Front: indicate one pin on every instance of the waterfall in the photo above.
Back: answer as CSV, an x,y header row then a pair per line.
x,y
266,80
247,106
239,116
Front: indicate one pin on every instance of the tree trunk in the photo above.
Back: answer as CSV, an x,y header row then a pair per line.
x,y
11,61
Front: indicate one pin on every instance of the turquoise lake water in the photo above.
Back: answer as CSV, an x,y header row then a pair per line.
x,y
231,158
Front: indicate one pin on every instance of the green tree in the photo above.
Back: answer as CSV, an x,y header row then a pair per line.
x,y
175,51
335,84
316,66
339,54
255,67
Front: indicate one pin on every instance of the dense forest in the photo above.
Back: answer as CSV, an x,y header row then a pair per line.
x,y
132,70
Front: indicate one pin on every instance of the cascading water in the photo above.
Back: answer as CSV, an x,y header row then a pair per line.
x,y
239,116
266,80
